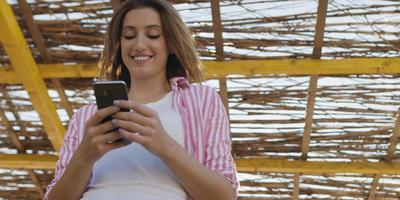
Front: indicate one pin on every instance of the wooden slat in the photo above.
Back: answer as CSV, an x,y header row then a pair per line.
x,y
33,29
394,138
36,181
296,186
24,65
312,91
224,93
10,131
217,27
374,186
63,97
320,28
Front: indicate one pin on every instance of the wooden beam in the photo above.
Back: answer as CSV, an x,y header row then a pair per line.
x,y
18,144
296,186
63,97
24,65
217,27
28,161
36,181
394,138
215,69
312,88
219,47
307,167
312,93
320,28
223,89
38,39
374,185
11,133
33,29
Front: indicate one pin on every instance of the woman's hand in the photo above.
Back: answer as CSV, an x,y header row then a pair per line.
x,y
97,137
142,125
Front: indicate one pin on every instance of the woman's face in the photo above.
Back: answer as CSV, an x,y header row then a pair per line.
x,y
143,46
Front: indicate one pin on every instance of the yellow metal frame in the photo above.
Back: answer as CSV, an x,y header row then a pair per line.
x,y
217,69
27,73
26,161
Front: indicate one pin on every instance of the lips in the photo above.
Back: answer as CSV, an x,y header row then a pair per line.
x,y
140,59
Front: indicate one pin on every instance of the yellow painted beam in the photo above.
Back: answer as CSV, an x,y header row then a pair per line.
x,y
28,161
308,167
25,161
217,69
27,72
9,77
304,66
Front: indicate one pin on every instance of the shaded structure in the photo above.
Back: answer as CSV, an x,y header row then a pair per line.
x,y
312,88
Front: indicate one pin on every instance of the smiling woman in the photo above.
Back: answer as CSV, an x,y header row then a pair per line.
x,y
180,146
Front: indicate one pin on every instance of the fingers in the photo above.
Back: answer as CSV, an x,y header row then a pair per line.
x,y
132,126
100,129
107,138
139,108
131,136
101,114
134,117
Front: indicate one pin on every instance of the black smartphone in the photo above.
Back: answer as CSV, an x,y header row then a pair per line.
x,y
108,91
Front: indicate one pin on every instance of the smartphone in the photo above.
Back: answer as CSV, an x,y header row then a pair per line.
x,y
108,91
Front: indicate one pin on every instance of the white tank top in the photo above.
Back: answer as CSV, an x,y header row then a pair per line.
x,y
133,173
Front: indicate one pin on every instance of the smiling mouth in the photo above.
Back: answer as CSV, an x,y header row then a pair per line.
x,y
141,58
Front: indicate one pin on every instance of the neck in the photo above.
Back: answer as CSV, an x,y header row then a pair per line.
x,y
147,91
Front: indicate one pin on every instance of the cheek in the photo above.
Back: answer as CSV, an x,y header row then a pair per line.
x,y
162,50
124,50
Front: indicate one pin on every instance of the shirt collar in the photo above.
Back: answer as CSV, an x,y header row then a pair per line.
x,y
178,83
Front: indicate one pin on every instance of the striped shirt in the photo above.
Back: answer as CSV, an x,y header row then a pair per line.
x,y
206,130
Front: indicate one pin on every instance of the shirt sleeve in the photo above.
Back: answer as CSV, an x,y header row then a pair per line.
x,y
71,143
218,144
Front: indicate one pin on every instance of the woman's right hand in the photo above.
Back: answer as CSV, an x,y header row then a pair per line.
x,y
97,137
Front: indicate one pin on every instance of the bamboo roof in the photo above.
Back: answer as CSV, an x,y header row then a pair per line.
x,y
312,87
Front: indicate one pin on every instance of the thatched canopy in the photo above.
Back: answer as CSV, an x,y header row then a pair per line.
x,y
312,88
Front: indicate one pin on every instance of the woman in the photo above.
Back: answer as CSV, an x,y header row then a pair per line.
x,y
179,132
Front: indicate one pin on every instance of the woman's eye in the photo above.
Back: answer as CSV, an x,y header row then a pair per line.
x,y
129,37
153,36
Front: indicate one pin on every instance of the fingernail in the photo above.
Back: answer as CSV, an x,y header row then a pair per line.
x,y
113,121
116,101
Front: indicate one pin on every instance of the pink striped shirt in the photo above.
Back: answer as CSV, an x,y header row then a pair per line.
x,y
206,130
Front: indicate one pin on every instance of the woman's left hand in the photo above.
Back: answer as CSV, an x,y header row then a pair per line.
x,y
142,125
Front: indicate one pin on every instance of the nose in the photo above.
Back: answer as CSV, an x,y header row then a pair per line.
x,y
140,43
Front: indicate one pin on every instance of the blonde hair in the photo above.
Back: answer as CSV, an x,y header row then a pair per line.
x,y
184,61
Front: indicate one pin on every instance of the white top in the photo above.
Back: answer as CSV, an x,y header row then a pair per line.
x,y
132,172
